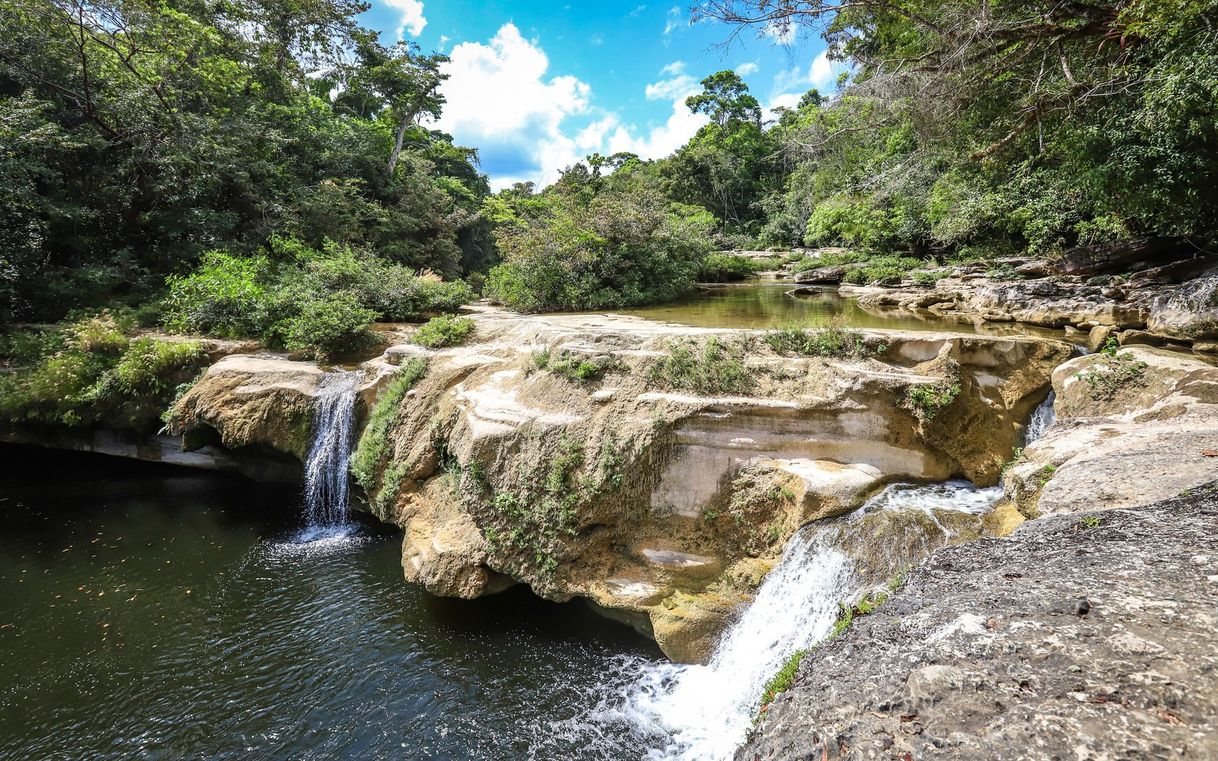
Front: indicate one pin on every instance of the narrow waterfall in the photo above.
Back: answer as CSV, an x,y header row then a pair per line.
x,y
1042,417
326,478
704,712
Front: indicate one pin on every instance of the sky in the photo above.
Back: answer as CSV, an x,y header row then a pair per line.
x,y
536,86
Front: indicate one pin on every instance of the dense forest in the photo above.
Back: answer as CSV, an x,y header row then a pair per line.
x,y
260,168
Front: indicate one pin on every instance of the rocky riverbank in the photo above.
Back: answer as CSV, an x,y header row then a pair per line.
x,y
1165,295
1087,635
654,471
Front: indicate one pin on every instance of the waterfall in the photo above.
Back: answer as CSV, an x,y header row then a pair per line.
x,y
705,712
1042,417
326,478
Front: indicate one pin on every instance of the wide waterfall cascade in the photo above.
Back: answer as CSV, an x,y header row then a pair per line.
x,y
705,712
1042,417
326,478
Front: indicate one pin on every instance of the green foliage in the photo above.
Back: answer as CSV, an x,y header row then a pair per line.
x,y
926,278
714,368
576,368
1091,521
320,301
328,327
221,298
882,270
833,340
594,242
727,268
99,376
368,460
1046,474
444,330
928,400
782,680
124,162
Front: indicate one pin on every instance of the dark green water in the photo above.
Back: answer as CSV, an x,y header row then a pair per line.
x,y
159,613
769,304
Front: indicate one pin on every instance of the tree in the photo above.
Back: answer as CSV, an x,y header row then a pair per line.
x,y
725,99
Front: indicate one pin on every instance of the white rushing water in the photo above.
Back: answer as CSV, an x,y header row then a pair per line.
x,y
1042,417
326,478
703,713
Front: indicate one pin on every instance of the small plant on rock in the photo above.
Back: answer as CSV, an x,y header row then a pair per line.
x,y
926,401
575,368
716,367
1112,372
833,340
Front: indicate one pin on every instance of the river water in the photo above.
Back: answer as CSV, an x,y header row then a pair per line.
x,y
768,304
162,613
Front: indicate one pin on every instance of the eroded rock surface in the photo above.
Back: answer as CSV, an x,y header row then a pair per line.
x,y
1130,430
1086,637
662,504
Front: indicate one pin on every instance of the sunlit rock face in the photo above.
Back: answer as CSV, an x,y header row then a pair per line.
x,y
661,504
1131,429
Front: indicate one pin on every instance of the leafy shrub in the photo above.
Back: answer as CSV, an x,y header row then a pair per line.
x,y
927,400
373,447
926,278
329,327
727,268
835,340
575,368
445,330
27,346
715,368
99,376
221,298
884,270
318,300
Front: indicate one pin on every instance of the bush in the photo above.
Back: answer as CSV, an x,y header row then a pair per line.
x,y
99,376
926,278
222,298
445,330
575,368
832,341
716,368
726,268
329,327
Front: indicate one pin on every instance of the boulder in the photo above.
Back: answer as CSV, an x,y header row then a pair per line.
x,y
1130,430
1190,311
1114,258
823,275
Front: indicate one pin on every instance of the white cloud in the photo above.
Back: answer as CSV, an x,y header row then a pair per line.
x,y
680,126
529,124
674,21
410,16
747,68
500,99
790,85
678,85
638,11
823,73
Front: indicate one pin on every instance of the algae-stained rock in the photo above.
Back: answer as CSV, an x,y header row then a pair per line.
x,y
687,627
1131,430
245,400
1072,638
660,503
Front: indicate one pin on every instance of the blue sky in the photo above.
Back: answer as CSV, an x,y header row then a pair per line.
x,y
538,85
